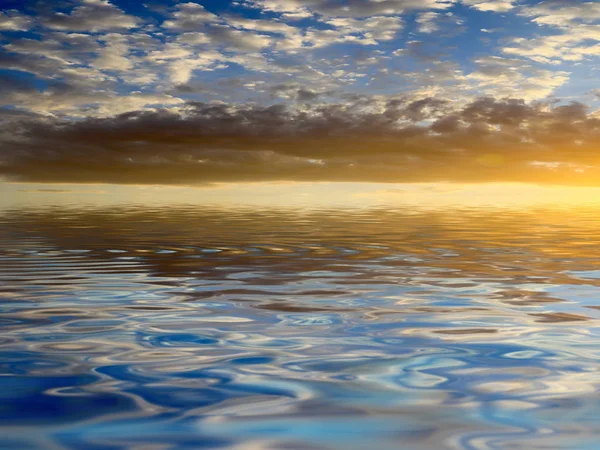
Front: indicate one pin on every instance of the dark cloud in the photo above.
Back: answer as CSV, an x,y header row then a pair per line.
x,y
293,91
28,63
398,140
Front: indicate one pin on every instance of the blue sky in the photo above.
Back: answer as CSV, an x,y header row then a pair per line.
x,y
68,62
166,51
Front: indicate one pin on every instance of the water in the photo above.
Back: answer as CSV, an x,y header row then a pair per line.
x,y
138,327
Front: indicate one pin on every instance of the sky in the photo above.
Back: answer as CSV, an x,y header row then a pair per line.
x,y
183,93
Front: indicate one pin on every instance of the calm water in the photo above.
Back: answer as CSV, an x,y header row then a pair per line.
x,y
393,328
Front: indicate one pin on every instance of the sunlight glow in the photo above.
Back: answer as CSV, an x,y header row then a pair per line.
x,y
318,195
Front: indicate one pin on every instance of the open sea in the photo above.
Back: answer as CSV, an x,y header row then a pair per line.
x,y
249,328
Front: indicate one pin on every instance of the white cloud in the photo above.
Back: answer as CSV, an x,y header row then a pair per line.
x,y
85,103
67,48
237,39
119,104
94,16
12,20
376,28
491,5
554,48
180,70
193,38
575,32
89,50
427,22
563,14
189,17
509,77
265,26
169,51
292,9
114,55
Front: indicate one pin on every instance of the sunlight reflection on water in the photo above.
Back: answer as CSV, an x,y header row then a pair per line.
x,y
201,327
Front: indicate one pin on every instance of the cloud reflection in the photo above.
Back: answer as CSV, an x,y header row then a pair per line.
x,y
461,328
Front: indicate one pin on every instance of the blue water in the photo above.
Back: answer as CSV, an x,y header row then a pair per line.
x,y
196,327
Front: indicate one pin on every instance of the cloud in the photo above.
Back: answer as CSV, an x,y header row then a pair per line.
x,y
180,71
114,55
91,15
33,64
12,20
189,17
572,44
510,77
238,40
427,22
264,26
297,90
575,33
368,31
491,5
64,99
369,139
352,8
562,14
430,22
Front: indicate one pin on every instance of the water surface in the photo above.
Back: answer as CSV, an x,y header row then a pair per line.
x,y
183,327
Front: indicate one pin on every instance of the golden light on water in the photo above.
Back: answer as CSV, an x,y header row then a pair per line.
x,y
291,194
440,307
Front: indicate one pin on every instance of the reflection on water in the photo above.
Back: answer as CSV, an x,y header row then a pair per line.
x,y
195,327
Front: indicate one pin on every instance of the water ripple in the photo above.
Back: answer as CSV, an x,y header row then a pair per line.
x,y
177,328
